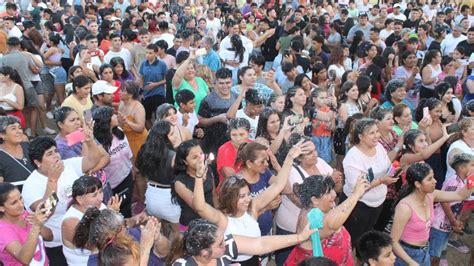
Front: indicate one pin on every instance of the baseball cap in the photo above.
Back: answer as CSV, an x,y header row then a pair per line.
x,y
397,6
363,14
102,86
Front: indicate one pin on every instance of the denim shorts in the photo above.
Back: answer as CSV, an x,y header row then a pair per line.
x,y
59,75
421,256
324,147
438,242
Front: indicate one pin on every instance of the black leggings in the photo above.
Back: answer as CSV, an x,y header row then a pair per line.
x,y
124,190
56,256
361,220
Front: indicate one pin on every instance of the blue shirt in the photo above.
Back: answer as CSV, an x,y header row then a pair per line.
x,y
266,218
212,60
153,72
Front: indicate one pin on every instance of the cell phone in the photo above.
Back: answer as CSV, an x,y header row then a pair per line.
x,y
453,128
51,201
295,120
370,175
75,137
397,172
426,112
418,62
87,115
200,52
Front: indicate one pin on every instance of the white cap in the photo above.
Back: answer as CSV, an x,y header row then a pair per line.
x,y
396,5
102,86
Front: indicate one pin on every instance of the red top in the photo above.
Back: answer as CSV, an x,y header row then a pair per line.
x,y
226,155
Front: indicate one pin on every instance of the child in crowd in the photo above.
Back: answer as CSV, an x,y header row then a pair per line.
x,y
186,114
322,130
447,213
375,249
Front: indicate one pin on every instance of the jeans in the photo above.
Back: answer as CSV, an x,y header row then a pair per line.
x,y
421,256
324,147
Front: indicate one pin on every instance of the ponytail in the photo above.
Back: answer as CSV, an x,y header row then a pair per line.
x,y
118,250
81,236
415,173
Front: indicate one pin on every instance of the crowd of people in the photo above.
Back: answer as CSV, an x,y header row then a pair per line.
x,y
206,132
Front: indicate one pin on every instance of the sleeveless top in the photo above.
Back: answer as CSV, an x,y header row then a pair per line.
x,y
417,230
9,96
165,175
244,225
434,74
75,256
135,139
338,247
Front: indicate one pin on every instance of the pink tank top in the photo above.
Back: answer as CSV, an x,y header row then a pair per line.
x,y
416,229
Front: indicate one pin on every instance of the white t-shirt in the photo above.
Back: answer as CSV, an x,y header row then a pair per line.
x,y
287,214
357,163
231,55
95,60
124,54
214,25
400,16
253,123
339,71
192,122
461,145
246,42
15,32
167,37
35,186
385,33
120,164
450,42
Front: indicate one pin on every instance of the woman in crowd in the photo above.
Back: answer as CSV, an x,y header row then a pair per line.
x,y
371,52
86,192
270,131
409,70
188,156
238,210
445,93
23,233
395,93
15,163
336,63
131,115
88,69
277,102
121,74
366,158
307,164
167,112
435,131
402,116
80,99
106,73
67,120
158,152
247,80
185,78
12,95
204,242
53,60
114,141
430,70
103,231
74,71
238,129
317,191
235,57
414,214
295,102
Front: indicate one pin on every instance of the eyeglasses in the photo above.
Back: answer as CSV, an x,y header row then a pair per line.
x,y
234,178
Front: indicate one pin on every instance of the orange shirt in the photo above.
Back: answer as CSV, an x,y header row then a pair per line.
x,y
320,128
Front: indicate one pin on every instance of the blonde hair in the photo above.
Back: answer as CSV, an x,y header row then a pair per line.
x,y
205,73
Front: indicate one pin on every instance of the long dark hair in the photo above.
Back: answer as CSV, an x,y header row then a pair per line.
x,y
119,61
181,153
263,121
237,47
429,56
153,154
290,93
5,190
12,73
431,103
440,90
102,130
415,173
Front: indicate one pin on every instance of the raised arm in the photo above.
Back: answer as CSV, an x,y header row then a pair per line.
x,y
231,113
205,210
94,154
266,244
409,158
281,180
446,196
179,75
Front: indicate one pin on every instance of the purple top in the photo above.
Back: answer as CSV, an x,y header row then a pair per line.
x,y
67,151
